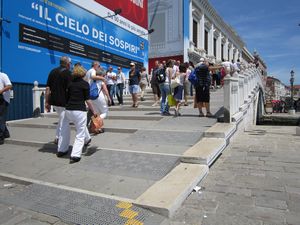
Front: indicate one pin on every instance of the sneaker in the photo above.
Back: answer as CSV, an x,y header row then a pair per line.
x,y
61,154
88,142
201,114
166,114
208,114
74,159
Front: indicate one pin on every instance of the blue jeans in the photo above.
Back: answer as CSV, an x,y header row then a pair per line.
x,y
120,88
165,91
111,89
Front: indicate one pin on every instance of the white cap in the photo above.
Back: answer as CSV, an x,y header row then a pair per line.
x,y
202,59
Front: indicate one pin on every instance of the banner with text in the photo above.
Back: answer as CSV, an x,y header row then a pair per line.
x,y
41,31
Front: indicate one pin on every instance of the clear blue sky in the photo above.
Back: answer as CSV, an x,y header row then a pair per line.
x,y
269,26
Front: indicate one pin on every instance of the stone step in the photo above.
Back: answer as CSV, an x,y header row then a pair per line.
x,y
167,195
153,141
221,130
206,151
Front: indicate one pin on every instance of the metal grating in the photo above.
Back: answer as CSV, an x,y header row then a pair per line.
x,y
75,207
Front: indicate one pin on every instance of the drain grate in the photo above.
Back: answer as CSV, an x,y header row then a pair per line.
x,y
75,207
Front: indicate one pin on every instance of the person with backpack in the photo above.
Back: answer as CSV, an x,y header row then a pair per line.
x,y
164,77
203,87
99,102
155,84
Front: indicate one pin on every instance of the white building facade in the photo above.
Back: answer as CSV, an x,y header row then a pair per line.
x,y
187,30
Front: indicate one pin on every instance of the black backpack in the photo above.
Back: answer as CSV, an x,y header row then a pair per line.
x,y
160,75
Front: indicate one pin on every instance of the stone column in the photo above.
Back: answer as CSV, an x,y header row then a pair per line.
x,y
225,53
191,20
211,41
231,53
230,96
219,47
202,32
236,55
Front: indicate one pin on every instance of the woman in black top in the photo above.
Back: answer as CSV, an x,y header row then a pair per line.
x,y
77,95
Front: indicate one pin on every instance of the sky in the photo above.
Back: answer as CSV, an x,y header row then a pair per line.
x,y
271,28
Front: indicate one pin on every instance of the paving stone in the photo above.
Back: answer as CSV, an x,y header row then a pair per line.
x,y
16,219
277,195
221,219
271,203
33,222
293,218
267,215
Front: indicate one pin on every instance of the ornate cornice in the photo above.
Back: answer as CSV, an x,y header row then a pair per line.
x,y
212,15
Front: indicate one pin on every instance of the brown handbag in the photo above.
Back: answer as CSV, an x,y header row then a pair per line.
x,y
96,124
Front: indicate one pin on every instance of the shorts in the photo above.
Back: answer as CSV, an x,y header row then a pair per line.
x,y
155,89
202,94
133,89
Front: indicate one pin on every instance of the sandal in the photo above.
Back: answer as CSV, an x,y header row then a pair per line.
x,y
208,114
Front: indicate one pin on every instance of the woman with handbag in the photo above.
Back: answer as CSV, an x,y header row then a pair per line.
x,y
143,82
178,91
100,103
78,95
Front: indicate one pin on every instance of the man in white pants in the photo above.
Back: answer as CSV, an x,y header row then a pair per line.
x,y
57,84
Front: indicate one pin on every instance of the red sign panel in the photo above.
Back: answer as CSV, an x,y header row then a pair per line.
x,y
134,10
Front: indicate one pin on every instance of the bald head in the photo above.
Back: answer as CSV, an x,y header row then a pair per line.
x,y
65,61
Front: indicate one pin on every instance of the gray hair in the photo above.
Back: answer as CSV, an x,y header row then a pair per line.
x,y
64,61
95,63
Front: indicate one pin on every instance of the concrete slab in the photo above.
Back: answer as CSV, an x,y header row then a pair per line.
x,y
112,173
177,185
220,130
205,151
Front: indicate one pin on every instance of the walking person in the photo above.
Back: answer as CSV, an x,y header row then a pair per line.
x,y
202,89
100,104
155,84
165,89
134,80
143,82
78,94
57,84
111,78
120,85
178,91
186,84
5,87
96,73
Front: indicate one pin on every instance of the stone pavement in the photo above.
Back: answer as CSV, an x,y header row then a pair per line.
x,y
254,182
138,153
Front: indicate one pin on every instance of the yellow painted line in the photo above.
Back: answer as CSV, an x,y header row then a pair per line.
x,y
124,205
134,222
129,214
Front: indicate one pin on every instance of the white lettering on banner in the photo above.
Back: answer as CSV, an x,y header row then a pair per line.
x,y
139,3
71,24
81,28
122,44
97,34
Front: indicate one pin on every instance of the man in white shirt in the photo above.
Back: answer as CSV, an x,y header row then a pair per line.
x,y
111,80
5,86
120,85
91,73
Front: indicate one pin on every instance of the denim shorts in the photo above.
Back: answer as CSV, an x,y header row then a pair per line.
x,y
133,89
